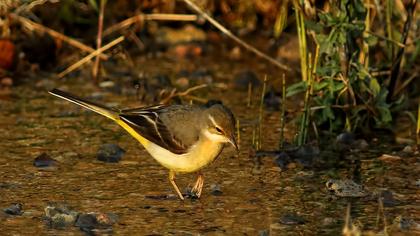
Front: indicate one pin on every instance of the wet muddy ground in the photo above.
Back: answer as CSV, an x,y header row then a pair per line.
x,y
240,197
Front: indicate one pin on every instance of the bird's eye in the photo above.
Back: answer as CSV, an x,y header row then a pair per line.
x,y
218,130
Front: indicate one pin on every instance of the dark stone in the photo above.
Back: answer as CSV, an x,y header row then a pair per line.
x,y
345,138
91,221
246,77
14,209
212,102
162,209
282,160
110,153
305,155
388,199
215,190
44,160
264,232
292,219
272,100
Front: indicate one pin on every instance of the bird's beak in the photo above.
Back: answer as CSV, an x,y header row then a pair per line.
x,y
232,141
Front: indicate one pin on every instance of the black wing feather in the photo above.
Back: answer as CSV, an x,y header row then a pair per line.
x,y
148,124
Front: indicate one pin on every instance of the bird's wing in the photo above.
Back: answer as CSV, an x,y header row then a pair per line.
x,y
148,123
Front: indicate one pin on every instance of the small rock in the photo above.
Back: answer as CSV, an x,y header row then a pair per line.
x,y
44,160
389,158
292,219
107,84
60,216
346,188
408,149
110,153
388,199
91,221
67,157
246,77
360,144
6,82
182,82
272,100
215,190
235,53
264,232
212,102
405,224
328,221
345,138
282,160
14,209
305,155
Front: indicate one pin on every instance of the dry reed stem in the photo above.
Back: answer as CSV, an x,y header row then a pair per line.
x,y
95,67
282,111
235,38
260,113
26,7
142,17
43,29
90,56
249,100
238,133
182,94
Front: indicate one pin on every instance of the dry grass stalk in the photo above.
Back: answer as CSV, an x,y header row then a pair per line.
x,y
174,93
95,67
142,17
43,29
90,56
235,38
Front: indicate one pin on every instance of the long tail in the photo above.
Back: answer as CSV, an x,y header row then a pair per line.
x,y
105,111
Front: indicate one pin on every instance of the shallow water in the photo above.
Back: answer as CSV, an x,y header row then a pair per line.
x,y
252,201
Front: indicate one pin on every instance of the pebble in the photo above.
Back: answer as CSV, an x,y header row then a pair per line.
x,y
405,224
388,199
60,216
345,138
408,149
272,100
282,160
328,221
110,153
215,190
264,232
87,222
246,77
292,219
14,209
44,160
346,188
389,158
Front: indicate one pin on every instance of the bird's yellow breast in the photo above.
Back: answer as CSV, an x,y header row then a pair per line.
x,y
197,157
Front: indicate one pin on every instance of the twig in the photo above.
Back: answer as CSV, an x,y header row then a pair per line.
x,y
386,39
181,94
234,37
260,113
90,56
248,104
282,111
28,6
35,26
95,67
142,17
396,64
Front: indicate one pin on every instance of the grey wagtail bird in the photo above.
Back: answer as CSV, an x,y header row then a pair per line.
x,y
182,138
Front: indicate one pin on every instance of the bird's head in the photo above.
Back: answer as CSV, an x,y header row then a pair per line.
x,y
220,124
